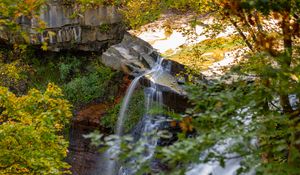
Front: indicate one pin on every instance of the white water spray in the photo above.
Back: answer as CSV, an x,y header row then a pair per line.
x,y
155,72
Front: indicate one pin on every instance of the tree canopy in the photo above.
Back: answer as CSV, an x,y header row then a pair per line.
x,y
31,132
259,109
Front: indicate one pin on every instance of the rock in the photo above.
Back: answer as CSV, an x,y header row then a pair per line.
x,y
166,82
94,30
134,56
85,159
173,67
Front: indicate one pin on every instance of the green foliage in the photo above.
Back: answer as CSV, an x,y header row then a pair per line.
x,y
86,88
92,3
11,11
256,113
31,126
13,75
135,111
109,120
241,111
104,28
68,66
81,79
13,71
58,70
138,13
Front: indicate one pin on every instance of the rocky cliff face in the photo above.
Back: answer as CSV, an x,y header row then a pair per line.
x,y
94,30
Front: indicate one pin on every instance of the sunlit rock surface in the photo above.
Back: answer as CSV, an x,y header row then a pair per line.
x,y
94,30
172,31
134,57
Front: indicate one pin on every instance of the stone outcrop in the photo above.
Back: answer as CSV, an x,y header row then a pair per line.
x,y
94,30
134,56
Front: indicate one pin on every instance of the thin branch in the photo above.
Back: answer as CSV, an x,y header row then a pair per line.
x,y
242,34
252,33
275,106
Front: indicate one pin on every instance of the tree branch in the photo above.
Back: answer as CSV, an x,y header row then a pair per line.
x,y
241,34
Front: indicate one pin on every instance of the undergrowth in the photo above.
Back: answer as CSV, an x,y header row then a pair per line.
x,y
83,79
135,111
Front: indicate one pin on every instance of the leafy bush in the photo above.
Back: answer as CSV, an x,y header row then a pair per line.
x,y
67,67
13,76
59,71
82,78
86,88
31,140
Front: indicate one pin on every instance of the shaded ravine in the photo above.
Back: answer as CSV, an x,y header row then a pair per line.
x,y
155,80
83,158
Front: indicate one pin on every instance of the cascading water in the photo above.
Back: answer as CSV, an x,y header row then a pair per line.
x,y
148,140
156,71
150,125
214,167
154,98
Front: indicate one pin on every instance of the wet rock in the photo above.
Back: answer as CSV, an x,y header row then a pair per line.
x,y
134,56
173,67
173,94
85,159
166,82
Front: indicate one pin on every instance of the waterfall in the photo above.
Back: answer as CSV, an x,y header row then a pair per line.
x,y
150,125
148,135
125,104
156,70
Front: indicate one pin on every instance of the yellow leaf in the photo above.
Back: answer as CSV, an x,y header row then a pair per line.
x,y
294,77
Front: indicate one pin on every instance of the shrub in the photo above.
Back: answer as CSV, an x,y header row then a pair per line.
x,y
86,88
66,68
13,76
31,127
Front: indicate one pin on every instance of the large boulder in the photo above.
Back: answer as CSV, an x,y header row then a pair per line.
x,y
132,56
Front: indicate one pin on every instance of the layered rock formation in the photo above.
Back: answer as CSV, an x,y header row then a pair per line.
x,y
94,30
134,56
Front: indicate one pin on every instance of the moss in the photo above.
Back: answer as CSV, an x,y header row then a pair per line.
x,y
136,110
104,28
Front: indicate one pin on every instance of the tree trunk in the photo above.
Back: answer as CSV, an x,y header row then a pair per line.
x,y
286,63
241,34
288,41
